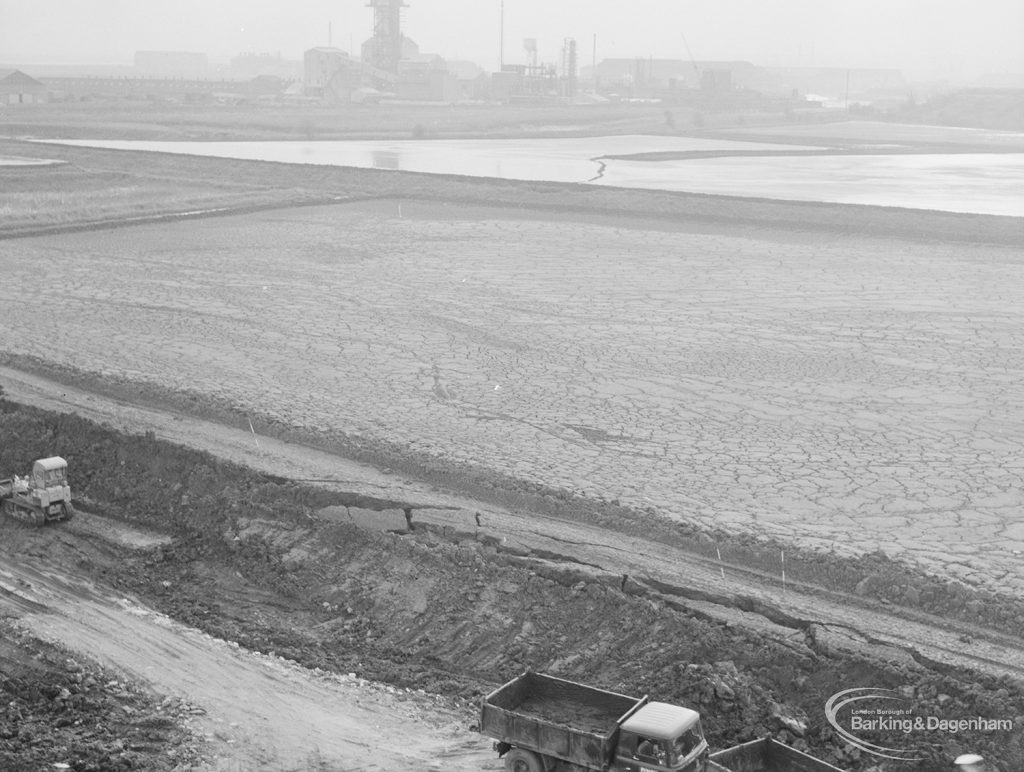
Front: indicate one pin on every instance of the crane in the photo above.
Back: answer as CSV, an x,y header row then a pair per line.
x,y
693,61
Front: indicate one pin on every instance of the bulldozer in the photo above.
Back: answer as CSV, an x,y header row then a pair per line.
x,y
43,496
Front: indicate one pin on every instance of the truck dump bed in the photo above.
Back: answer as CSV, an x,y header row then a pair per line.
x,y
766,755
570,721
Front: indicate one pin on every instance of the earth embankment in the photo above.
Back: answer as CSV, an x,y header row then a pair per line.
x,y
259,561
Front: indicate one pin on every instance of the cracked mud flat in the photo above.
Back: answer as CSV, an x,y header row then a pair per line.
x,y
842,392
845,394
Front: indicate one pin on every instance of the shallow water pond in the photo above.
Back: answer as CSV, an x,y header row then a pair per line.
x,y
977,183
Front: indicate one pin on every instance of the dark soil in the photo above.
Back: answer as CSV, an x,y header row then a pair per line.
x,y
451,614
581,718
56,709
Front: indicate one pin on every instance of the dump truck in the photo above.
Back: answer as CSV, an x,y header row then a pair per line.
x,y
541,723
765,755
42,496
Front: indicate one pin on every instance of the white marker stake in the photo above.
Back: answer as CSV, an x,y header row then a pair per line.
x,y
783,552
722,570
254,437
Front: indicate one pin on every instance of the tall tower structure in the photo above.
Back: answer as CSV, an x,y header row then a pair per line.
x,y
569,67
386,49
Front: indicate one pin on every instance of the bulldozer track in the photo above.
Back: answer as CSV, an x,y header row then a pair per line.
x,y
25,515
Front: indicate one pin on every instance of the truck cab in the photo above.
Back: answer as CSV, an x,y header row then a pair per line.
x,y
660,736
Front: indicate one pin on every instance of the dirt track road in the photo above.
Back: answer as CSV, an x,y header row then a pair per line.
x,y
795,612
257,712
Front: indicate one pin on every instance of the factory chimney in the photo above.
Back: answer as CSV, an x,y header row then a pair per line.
x,y
386,48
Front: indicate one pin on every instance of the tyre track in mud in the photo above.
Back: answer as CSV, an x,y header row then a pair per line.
x,y
826,620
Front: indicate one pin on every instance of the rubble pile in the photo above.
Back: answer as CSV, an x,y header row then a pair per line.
x,y
60,713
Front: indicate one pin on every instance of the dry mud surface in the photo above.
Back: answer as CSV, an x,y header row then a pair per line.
x,y
591,415
848,394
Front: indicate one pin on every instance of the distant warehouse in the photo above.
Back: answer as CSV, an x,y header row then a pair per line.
x,y
17,88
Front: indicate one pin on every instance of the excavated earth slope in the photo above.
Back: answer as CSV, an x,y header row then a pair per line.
x,y
270,565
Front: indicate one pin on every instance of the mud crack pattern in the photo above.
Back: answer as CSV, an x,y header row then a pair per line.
x,y
844,393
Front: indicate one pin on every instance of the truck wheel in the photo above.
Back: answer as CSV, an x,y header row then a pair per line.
x,y
519,760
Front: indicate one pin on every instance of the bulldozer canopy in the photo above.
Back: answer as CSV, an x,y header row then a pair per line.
x,y
49,464
50,470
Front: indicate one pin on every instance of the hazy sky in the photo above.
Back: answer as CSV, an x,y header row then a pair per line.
x,y
947,37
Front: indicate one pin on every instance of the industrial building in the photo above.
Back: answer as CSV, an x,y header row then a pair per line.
x,y
676,78
424,77
535,81
649,74
254,65
473,82
384,49
390,66
17,88
330,74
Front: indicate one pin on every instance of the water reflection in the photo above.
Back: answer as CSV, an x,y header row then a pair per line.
x,y
386,159
10,160
976,183
979,183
